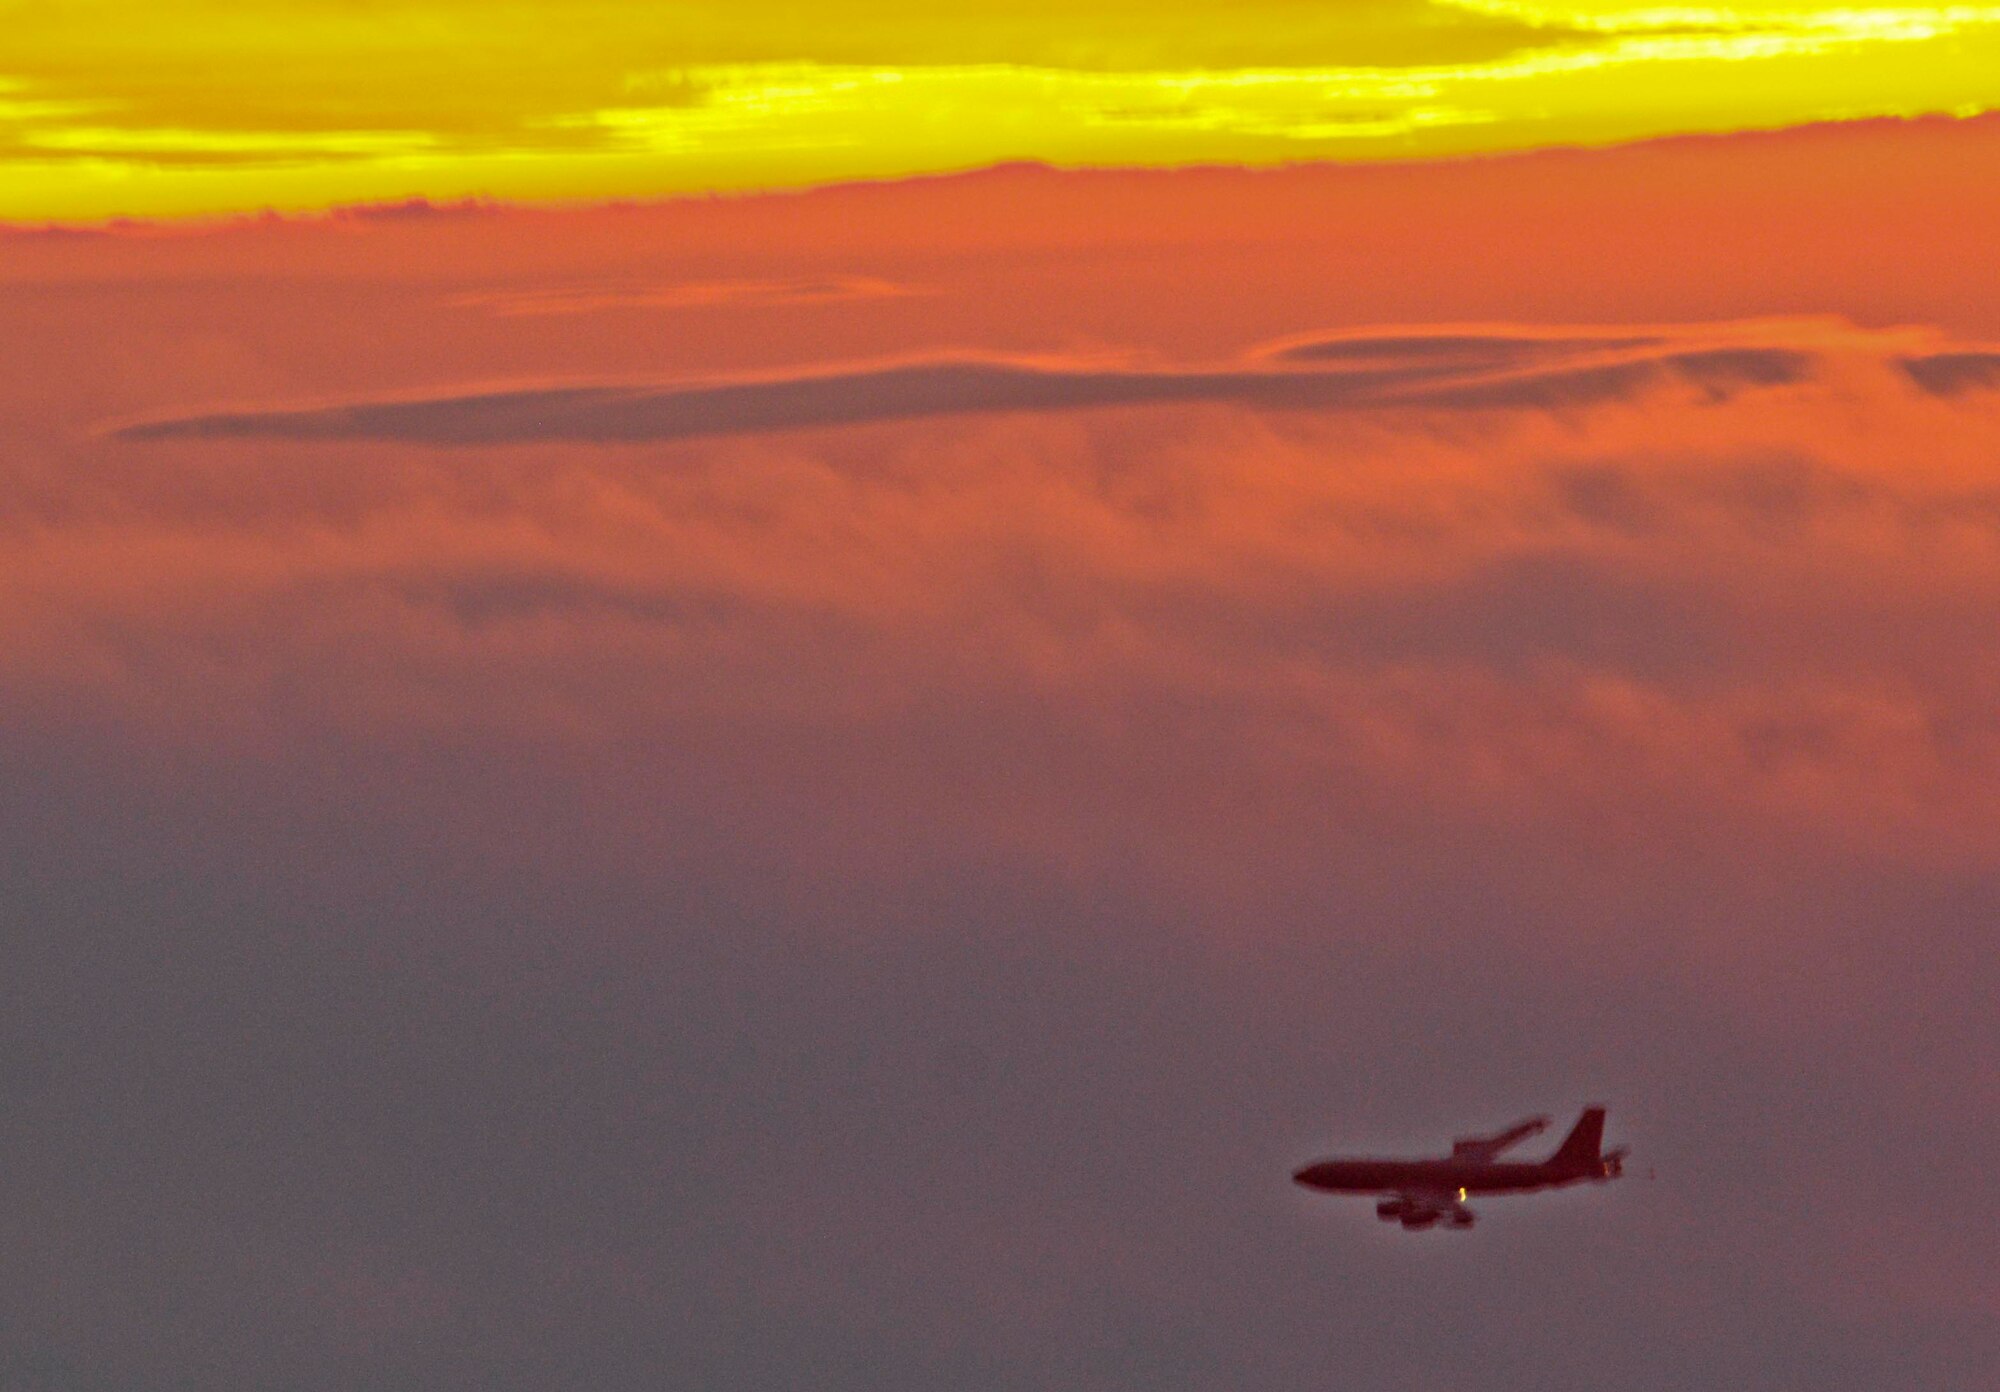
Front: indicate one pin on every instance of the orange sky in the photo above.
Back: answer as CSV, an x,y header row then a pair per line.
x,y
111,108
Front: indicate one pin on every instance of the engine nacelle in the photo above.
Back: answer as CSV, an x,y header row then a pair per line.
x,y
1423,1218
1389,1210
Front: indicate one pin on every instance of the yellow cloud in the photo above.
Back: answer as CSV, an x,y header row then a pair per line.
x,y
153,141
314,103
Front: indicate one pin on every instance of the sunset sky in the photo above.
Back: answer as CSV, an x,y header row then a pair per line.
x,y
114,108
829,788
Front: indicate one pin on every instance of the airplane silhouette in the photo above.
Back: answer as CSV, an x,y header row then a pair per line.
x,y
1425,1192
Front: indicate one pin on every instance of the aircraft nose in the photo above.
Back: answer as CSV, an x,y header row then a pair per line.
x,y
1309,1175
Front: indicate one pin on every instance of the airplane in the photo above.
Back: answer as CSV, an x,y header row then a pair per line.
x,y
1423,1193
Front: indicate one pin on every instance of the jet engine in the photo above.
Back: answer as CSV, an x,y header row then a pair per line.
x,y
1389,1210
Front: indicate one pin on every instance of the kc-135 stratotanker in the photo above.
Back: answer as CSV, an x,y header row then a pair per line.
x,y
1427,1193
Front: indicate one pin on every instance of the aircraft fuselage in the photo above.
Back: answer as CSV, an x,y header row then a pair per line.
x,y
1443,1176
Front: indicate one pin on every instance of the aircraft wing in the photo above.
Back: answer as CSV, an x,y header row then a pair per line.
x,y
1489,1147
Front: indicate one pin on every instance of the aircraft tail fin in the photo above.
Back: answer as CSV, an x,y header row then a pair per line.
x,y
1581,1149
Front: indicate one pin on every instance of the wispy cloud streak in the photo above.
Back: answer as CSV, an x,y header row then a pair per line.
x,y
697,294
1950,374
1447,370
